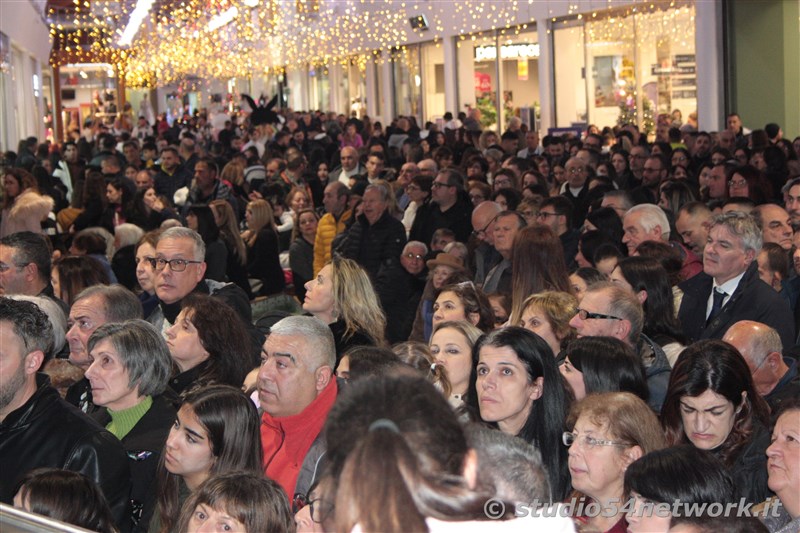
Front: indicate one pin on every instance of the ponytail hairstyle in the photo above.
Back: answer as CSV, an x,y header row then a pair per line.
x,y
404,433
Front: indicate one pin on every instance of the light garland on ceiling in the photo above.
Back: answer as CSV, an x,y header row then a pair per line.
x,y
190,39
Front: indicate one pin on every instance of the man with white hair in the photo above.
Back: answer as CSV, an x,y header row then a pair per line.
x,y
648,222
296,390
729,288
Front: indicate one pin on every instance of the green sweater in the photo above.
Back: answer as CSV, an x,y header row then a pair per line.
x,y
122,422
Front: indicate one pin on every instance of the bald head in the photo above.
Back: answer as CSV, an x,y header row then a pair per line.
x,y
482,220
761,347
428,167
349,157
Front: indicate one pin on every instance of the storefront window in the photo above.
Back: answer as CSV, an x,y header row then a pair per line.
x,y
506,63
433,80
88,94
407,81
625,67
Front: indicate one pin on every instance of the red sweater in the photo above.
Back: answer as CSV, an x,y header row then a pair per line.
x,y
286,440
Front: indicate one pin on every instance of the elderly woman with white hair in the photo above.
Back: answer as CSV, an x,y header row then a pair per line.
x,y
123,262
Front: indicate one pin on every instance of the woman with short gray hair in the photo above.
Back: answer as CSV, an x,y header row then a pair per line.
x,y
129,370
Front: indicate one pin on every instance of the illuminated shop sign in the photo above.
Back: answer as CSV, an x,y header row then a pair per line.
x,y
507,51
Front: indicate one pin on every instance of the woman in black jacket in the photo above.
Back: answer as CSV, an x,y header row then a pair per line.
x,y
261,238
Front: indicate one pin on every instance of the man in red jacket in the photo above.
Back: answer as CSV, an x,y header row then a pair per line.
x,y
296,389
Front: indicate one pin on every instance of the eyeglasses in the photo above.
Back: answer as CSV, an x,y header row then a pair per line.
x,y
737,183
638,157
477,197
586,315
575,171
543,214
586,441
4,267
418,257
175,265
482,232
320,510
437,184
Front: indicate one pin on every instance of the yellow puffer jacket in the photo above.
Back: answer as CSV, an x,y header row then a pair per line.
x,y
327,229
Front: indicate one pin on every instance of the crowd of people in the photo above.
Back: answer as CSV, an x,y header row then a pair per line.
x,y
327,325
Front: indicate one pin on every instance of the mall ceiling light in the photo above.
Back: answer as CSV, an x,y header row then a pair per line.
x,y
134,21
222,19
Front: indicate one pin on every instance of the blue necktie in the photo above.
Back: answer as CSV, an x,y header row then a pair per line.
x,y
716,305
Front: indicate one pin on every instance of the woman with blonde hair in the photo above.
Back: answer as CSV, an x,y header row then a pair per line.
x,y
23,207
261,237
343,297
548,314
236,267
606,433
418,356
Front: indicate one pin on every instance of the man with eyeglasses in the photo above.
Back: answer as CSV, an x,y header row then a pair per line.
x,y
608,310
654,172
411,285
556,213
450,208
25,266
485,255
575,189
180,268
407,172
636,159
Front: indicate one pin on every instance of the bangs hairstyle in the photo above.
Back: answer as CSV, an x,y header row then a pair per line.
x,y
684,473
558,308
474,300
142,351
257,502
626,416
224,336
716,366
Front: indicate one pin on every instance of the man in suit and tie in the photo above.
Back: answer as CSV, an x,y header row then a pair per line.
x,y
729,288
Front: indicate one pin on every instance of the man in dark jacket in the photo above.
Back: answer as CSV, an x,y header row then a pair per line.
x,y
375,241
450,208
38,428
729,289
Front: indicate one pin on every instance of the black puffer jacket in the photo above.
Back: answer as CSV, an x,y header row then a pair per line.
x,y
48,432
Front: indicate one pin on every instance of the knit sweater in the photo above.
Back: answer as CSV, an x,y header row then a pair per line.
x,y
122,422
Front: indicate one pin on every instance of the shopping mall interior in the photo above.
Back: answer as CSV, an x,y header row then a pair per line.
x,y
553,63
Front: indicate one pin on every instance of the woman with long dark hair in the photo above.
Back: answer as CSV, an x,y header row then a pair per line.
x,y
603,364
515,386
217,430
209,344
711,403
650,283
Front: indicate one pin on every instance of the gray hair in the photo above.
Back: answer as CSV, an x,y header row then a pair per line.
x,y
56,316
511,466
142,351
316,334
651,216
741,225
128,234
186,233
30,248
30,323
119,304
622,303
764,341
421,244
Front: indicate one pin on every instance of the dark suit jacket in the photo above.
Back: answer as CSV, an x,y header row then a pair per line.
x,y
752,300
